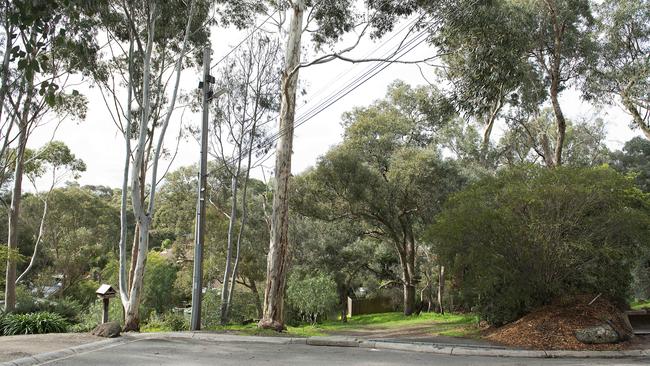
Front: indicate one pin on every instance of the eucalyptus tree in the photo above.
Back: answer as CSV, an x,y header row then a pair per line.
x,y
326,22
483,63
387,174
56,160
251,79
622,73
634,158
335,248
531,140
560,48
519,53
50,42
145,37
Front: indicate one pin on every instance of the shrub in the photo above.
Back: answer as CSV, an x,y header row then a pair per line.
x,y
157,290
83,291
33,323
92,316
158,293
168,322
242,307
528,235
26,303
313,296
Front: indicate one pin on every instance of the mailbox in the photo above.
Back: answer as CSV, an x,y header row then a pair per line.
x,y
105,292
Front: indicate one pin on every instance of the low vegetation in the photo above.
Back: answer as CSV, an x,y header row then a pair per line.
x,y
33,323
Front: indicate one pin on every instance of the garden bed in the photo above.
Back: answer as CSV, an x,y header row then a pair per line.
x,y
553,327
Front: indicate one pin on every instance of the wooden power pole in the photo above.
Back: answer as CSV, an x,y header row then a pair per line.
x,y
199,236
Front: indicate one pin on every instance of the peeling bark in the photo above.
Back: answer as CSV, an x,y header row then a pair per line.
x,y
278,257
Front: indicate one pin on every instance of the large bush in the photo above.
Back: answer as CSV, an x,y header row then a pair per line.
x,y
160,275
530,234
33,323
27,303
314,296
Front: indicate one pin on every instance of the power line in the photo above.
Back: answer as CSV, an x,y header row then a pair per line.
x,y
243,40
366,76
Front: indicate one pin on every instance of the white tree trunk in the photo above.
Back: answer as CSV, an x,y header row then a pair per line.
x,y
132,319
123,277
144,216
244,218
278,257
41,228
441,288
225,297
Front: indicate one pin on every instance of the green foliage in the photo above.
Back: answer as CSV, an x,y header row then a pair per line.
x,y
12,254
33,323
89,318
68,308
314,296
622,73
638,305
169,322
397,320
83,291
529,140
160,275
634,159
242,308
530,234
159,294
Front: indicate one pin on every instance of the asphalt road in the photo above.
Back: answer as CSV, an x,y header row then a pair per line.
x,y
190,352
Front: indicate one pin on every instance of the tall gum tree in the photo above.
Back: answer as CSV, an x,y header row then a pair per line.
x,y
51,41
622,72
482,63
387,175
528,59
251,79
326,22
143,40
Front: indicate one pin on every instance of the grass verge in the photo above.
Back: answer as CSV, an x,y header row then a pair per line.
x,y
637,305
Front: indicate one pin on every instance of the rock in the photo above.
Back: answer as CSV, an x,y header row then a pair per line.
x,y
603,333
108,330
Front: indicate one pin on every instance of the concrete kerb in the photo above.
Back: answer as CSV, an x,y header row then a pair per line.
x,y
328,341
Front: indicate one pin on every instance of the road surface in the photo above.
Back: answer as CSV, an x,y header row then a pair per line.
x,y
191,352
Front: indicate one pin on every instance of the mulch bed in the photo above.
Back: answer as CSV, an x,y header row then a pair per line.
x,y
552,327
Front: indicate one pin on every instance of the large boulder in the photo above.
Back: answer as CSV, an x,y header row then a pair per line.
x,y
108,330
598,334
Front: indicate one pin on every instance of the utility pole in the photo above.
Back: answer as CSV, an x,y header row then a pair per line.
x,y
199,235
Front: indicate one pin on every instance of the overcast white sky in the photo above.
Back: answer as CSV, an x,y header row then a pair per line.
x,y
97,141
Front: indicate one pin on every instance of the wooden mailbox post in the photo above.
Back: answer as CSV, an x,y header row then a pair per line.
x,y
105,292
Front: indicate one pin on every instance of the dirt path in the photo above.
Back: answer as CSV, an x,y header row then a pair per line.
x,y
428,333
12,347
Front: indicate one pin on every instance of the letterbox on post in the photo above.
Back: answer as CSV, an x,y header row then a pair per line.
x,y
105,292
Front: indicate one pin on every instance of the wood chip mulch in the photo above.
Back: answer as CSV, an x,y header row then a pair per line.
x,y
552,327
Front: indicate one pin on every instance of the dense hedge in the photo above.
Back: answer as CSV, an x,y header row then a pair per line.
x,y
528,235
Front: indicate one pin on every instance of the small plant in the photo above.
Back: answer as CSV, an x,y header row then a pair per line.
x,y
168,322
33,323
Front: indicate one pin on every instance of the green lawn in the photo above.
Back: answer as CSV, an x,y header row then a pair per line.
x,y
640,304
454,325
397,320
